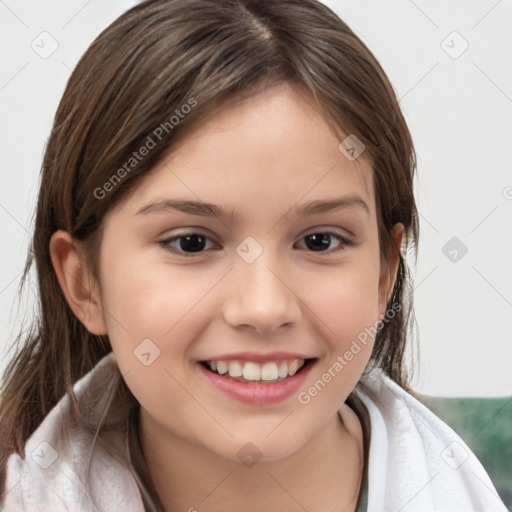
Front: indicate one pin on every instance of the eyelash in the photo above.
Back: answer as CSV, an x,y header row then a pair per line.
x,y
166,244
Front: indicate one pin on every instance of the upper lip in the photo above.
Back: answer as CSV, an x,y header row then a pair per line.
x,y
258,357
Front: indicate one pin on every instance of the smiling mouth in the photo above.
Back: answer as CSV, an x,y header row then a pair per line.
x,y
251,372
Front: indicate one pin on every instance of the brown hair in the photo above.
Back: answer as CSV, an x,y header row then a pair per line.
x,y
150,62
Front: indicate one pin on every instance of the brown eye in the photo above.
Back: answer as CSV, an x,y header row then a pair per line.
x,y
192,243
187,244
318,241
322,241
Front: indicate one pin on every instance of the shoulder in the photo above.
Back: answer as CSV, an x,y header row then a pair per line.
x,y
416,461
54,474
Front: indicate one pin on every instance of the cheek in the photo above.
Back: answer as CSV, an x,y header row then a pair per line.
x,y
346,301
165,305
144,303
151,319
346,304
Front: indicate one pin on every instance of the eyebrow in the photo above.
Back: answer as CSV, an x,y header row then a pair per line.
x,y
213,210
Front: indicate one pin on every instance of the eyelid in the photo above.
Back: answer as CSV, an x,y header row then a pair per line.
x,y
344,241
342,233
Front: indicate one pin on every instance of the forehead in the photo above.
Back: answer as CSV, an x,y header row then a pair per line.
x,y
260,153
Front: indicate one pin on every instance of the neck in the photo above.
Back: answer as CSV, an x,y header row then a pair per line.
x,y
323,475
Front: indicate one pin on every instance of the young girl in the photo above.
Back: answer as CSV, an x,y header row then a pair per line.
x,y
225,202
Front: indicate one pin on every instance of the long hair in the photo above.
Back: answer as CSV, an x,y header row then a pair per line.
x,y
136,77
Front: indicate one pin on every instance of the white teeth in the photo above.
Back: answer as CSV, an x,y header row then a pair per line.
x,y
255,372
235,369
269,371
252,371
283,370
222,367
292,369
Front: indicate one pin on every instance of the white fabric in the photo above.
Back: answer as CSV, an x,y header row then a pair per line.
x,y
417,463
59,487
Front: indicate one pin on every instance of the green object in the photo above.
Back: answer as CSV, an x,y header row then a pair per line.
x,y
363,504
485,425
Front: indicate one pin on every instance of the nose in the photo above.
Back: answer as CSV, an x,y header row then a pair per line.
x,y
260,296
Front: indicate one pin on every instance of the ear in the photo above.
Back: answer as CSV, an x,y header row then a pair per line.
x,y
76,282
390,268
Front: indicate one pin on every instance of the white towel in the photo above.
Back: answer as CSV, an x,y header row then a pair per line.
x,y
416,464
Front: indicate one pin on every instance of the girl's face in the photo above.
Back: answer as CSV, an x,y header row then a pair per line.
x,y
283,265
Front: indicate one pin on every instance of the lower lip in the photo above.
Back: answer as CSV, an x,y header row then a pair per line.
x,y
254,392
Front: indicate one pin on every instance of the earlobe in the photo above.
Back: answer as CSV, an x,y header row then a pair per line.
x,y
76,283
389,270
